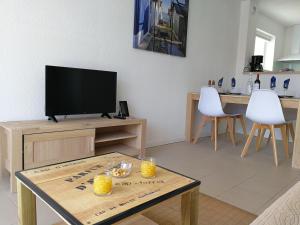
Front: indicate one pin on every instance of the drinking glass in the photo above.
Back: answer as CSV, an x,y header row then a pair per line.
x,y
102,184
148,168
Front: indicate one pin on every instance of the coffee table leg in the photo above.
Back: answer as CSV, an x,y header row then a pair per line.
x,y
189,207
26,205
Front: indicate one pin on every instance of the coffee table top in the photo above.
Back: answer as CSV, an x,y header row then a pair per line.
x,y
67,189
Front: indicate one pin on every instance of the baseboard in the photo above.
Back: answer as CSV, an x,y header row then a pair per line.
x,y
206,133
151,144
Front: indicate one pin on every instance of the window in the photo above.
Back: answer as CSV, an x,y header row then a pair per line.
x,y
265,46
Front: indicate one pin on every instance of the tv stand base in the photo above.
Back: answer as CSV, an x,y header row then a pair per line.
x,y
106,115
53,119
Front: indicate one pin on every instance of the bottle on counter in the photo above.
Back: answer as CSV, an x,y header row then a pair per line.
x,y
213,84
250,85
209,83
257,83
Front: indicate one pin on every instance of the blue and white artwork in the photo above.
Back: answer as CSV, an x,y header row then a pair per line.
x,y
161,26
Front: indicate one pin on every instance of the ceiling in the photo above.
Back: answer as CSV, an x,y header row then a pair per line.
x,y
286,12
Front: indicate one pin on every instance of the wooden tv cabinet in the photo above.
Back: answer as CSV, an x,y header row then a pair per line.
x,y
31,144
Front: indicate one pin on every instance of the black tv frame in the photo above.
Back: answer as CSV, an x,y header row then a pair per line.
x,y
52,117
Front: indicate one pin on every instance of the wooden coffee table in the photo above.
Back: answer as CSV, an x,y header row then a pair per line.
x,y
67,189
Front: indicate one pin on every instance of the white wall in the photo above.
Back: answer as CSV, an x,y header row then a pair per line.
x,y
98,34
276,29
246,34
272,27
242,45
248,22
260,21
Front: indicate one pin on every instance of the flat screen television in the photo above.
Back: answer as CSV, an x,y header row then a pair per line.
x,y
72,91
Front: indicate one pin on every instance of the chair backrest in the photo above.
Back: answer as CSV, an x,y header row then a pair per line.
x,y
209,102
264,107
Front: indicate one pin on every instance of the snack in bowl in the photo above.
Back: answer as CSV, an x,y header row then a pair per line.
x,y
121,170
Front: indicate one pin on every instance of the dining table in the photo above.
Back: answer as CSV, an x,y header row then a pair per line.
x,y
240,99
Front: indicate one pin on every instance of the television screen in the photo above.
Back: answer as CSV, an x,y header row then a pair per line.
x,y
71,91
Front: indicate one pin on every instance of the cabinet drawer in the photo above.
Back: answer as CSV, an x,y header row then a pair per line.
x,y
55,147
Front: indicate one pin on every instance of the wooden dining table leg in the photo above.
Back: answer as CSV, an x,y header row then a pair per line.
x,y
243,124
234,127
227,131
190,207
26,205
190,118
284,133
296,151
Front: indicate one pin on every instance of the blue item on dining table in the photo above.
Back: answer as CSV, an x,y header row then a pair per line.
x,y
220,82
273,83
233,82
286,84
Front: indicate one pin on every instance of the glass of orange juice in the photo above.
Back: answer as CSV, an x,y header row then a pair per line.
x,y
102,184
148,168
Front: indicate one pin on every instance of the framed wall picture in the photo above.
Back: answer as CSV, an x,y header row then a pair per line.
x,y
161,26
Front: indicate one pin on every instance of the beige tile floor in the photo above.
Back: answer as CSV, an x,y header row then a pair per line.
x,y
251,184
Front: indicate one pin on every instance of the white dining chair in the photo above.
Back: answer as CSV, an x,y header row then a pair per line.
x,y
210,107
265,111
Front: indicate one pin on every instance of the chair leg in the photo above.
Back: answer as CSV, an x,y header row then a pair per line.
x,y
216,133
274,145
285,141
260,138
204,119
212,131
291,128
234,128
248,142
243,123
287,132
269,138
227,130
258,135
230,122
